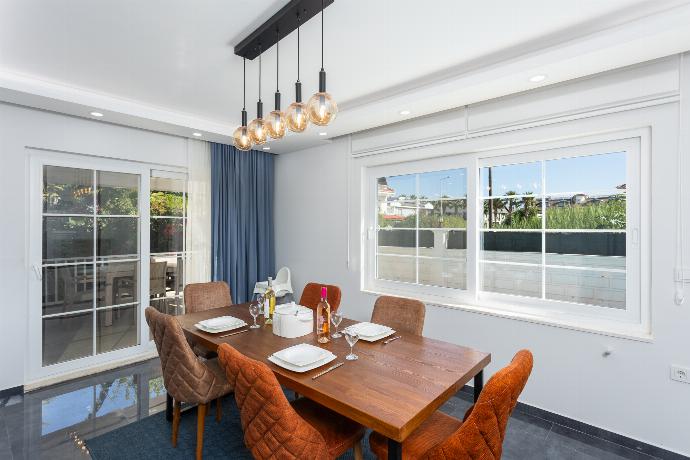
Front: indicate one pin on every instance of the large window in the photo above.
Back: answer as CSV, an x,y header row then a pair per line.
x,y
551,232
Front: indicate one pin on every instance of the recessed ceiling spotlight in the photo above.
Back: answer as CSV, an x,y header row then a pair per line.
x,y
96,114
537,78
196,134
323,133
267,148
405,112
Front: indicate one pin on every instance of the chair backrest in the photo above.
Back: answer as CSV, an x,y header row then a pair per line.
x,y
272,428
185,377
157,274
403,315
483,430
204,296
311,295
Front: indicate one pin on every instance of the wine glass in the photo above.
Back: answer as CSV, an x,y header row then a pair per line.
x,y
260,301
352,339
254,311
336,318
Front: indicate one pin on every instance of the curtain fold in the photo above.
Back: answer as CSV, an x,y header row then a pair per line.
x,y
242,218
198,234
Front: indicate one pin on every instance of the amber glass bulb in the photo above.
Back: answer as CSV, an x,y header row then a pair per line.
x,y
322,109
297,118
257,131
241,139
276,124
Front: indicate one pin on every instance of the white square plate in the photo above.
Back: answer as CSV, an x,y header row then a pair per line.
x,y
302,354
369,329
220,322
279,362
230,327
377,337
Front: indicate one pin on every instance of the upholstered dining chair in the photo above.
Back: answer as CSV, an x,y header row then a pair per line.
x,y
403,315
205,296
311,295
480,434
276,428
186,378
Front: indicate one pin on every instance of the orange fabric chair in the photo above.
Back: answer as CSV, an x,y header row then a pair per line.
x,y
274,427
480,434
204,296
403,315
312,294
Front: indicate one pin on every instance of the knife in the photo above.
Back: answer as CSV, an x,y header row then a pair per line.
x,y
232,333
385,342
335,366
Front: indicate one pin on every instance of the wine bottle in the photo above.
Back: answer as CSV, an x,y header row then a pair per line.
x,y
269,301
323,318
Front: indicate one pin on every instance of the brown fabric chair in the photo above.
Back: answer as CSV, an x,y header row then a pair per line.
x,y
205,296
403,315
274,427
480,434
311,295
186,378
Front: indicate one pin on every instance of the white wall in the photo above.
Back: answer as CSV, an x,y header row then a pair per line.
x,y
629,392
21,128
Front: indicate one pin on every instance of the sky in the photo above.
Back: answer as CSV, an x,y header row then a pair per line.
x,y
595,174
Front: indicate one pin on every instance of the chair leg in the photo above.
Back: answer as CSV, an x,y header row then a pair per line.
x,y
219,410
358,450
177,405
201,408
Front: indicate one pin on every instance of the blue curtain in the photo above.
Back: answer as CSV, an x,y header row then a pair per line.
x,y
242,218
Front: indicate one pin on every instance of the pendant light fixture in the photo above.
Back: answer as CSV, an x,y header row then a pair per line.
x,y
240,138
257,128
297,118
276,119
321,107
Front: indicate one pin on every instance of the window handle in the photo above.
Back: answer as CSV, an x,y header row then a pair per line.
x,y
38,272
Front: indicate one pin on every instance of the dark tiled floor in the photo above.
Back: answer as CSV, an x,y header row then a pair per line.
x,y
41,424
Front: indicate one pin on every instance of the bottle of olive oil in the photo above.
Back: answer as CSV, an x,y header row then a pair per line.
x,y
269,301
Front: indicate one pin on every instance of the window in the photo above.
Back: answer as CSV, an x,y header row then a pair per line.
x,y
552,233
168,201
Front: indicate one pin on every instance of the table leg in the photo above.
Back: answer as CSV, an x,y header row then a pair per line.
x,y
168,407
394,450
478,384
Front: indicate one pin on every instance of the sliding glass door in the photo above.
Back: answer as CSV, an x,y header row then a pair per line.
x,y
91,259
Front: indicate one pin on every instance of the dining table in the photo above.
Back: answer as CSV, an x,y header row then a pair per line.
x,y
392,388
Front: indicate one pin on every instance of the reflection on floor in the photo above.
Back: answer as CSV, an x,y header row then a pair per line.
x,y
44,423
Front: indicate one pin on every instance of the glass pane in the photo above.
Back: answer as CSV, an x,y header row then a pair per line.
x,y
396,268
523,280
593,250
67,190
167,235
166,276
519,213
65,410
451,273
606,289
446,213
168,305
157,395
67,239
594,174
118,283
516,247
402,242
67,289
397,201
515,179
450,184
167,197
117,236
117,194
442,243
582,211
116,328
117,395
67,337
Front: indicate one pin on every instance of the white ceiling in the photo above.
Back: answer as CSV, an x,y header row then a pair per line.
x,y
169,64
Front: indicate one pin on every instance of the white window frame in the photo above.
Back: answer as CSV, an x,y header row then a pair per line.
x,y
633,322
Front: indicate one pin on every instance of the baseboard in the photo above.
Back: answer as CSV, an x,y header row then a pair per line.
x,y
467,393
9,392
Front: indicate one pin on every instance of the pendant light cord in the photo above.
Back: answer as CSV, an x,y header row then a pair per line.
x,y
244,83
322,7
298,25
277,60
259,73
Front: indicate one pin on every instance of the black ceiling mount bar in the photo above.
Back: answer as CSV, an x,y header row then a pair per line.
x,y
285,20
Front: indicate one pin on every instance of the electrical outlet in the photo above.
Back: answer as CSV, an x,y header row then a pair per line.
x,y
680,374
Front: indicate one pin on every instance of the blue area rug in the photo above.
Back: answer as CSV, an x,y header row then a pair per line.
x,y
149,438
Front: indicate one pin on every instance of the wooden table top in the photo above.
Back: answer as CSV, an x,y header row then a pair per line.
x,y
391,388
